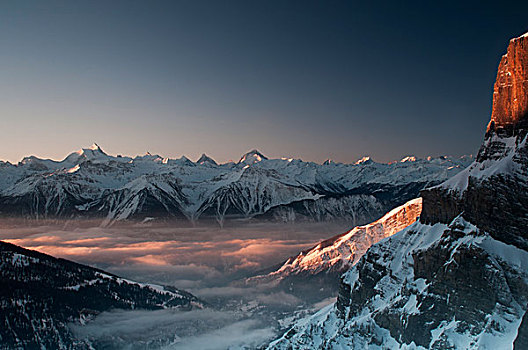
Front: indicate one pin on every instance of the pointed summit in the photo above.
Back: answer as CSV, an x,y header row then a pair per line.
x,y
183,160
252,157
408,159
92,150
92,153
329,162
204,159
364,160
95,147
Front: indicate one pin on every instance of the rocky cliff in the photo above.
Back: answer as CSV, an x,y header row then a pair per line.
x,y
458,279
493,191
510,93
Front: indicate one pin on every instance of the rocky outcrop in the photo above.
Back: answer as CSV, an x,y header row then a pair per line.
x,y
457,279
427,287
323,264
510,93
492,192
497,205
342,251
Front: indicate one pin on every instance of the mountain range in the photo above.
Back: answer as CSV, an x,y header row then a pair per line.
x,y
90,184
446,270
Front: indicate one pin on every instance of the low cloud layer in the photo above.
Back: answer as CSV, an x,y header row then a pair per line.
x,y
247,333
186,257
207,261
199,329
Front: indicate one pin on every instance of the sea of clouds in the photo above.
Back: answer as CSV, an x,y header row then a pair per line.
x,y
207,261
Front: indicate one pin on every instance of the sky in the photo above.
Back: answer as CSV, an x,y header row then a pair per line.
x,y
304,79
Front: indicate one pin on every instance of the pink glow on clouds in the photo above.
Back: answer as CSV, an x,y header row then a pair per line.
x,y
150,259
250,248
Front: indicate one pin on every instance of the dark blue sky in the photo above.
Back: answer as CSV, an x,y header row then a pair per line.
x,y
309,79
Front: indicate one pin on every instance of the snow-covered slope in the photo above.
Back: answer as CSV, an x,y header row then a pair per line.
x,y
313,275
40,295
427,287
204,159
458,279
342,251
91,184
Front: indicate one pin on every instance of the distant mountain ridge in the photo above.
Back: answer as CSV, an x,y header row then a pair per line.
x,y
40,295
91,184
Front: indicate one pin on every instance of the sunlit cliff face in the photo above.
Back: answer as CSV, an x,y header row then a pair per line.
x,y
510,93
343,251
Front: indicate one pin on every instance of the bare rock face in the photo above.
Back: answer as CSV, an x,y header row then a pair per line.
x,y
492,193
510,93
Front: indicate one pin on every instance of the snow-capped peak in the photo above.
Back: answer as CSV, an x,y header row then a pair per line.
x,y
148,157
525,35
252,157
93,153
364,160
408,159
205,159
95,147
183,160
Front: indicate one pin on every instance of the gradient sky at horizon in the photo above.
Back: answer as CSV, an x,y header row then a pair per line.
x,y
308,79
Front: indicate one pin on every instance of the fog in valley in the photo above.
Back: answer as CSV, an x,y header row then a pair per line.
x,y
208,261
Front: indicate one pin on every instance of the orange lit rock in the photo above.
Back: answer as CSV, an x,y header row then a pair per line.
x,y
492,193
510,93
